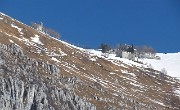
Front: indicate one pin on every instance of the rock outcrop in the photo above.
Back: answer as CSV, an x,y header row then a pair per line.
x,y
21,87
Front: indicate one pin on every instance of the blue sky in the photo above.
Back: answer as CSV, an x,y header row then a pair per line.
x,y
90,22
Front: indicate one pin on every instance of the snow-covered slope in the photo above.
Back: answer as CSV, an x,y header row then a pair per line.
x,y
169,61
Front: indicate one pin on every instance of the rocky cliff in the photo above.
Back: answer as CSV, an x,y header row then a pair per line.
x,y
22,88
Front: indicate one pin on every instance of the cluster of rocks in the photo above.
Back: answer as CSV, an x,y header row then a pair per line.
x,y
16,95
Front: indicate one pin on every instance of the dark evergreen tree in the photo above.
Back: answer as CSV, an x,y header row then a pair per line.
x,y
130,49
105,48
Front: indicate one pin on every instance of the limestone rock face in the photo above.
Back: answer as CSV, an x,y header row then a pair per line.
x,y
15,95
22,88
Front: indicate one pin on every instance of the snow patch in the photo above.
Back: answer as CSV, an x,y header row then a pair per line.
x,y
160,103
93,59
36,40
126,72
112,73
2,14
62,53
55,59
11,41
132,74
19,29
137,85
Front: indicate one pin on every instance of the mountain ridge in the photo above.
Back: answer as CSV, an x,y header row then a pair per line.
x,y
69,77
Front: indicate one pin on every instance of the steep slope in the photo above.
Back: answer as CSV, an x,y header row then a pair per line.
x,y
169,61
40,72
